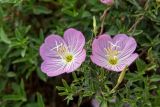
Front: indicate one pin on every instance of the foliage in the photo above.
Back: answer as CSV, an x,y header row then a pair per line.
x,y
25,23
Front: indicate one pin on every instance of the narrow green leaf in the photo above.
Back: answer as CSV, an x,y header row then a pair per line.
x,y
2,84
11,74
141,65
40,100
41,75
3,36
65,84
60,88
22,91
12,97
41,10
155,78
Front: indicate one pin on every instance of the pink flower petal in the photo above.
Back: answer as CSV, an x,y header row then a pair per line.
x,y
122,63
47,49
125,46
118,68
53,67
55,64
129,48
79,59
107,1
130,59
74,39
95,103
99,60
99,44
98,50
120,40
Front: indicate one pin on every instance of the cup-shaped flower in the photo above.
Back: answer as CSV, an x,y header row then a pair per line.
x,y
62,55
108,2
114,54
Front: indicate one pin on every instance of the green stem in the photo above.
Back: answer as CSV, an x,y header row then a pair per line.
x,y
120,79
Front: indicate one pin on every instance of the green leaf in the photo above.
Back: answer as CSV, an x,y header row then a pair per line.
x,y
155,78
41,75
11,74
104,104
22,91
41,10
18,104
65,84
11,1
12,97
2,84
72,13
32,105
141,65
135,3
40,100
23,52
60,88
3,36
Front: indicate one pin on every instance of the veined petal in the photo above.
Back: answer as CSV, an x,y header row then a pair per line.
x,y
120,48
53,67
123,63
98,50
130,59
120,40
98,60
99,44
103,63
129,48
49,48
118,68
78,60
74,39
109,2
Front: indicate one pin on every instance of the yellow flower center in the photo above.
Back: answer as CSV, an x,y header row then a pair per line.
x,y
113,61
112,55
64,53
69,58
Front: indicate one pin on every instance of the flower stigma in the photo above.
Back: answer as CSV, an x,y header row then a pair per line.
x,y
112,54
69,58
63,52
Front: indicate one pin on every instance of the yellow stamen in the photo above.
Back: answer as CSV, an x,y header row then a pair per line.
x,y
63,52
113,61
112,55
69,58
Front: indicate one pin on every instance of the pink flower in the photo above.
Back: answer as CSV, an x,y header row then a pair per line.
x,y
109,2
95,103
63,55
114,54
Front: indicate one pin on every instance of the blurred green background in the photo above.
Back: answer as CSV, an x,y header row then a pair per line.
x,y
24,24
